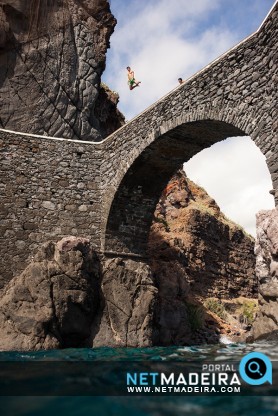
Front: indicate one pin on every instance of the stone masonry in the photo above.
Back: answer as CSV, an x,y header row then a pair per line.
x,y
107,191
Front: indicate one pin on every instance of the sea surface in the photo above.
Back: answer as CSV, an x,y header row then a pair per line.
x,y
141,405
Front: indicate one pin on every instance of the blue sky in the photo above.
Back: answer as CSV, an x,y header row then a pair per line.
x,y
163,40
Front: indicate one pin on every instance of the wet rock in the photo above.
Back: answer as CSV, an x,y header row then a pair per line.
x,y
129,297
53,302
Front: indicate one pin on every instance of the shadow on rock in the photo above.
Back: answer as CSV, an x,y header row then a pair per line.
x,y
180,318
52,304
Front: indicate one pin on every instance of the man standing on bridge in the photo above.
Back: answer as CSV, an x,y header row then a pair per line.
x,y
131,79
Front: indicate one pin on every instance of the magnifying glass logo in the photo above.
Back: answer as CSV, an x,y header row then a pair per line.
x,y
254,367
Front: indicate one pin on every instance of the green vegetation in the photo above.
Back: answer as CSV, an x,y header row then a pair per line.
x,y
106,88
216,307
234,226
248,313
162,221
195,316
202,207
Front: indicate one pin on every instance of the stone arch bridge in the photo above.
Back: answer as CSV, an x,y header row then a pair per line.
x,y
108,191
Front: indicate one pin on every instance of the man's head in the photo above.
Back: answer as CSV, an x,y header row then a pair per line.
x,y
180,80
128,68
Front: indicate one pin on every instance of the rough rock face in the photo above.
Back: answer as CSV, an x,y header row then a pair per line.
x,y
195,253
62,299
110,118
66,297
266,250
53,302
129,298
52,54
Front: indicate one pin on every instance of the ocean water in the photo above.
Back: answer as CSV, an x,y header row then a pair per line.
x,y
141,405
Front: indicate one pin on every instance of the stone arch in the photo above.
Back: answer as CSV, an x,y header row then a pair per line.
x,y
235,90
142,183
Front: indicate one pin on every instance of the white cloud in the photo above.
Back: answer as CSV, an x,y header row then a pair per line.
x,y
163,40
159,65
235,174
159,42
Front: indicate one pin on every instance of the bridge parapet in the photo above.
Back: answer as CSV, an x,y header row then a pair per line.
x,y
234,95
107,191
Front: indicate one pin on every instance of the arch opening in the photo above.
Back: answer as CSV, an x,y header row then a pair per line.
x,y
186,279
133,206
235,174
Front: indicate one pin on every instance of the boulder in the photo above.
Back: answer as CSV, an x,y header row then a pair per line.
x,y
129,298
52,304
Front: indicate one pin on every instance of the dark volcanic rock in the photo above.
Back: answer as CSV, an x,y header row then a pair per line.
x,y
110,118
266,249
66,298
63,300
129,301
197,247
53,302
195,253
52,57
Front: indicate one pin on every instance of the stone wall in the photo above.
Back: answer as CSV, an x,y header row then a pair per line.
x,y
108,191
50,189
235,95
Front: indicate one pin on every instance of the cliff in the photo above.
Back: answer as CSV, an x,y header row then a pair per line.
x,y
265,325
52,58
192,236
52,55
200,273
66,298
106,111
198,257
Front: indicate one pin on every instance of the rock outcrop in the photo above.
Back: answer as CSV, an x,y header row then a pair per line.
x,y
110,118
191,237
195,253
266,249
52,304
69,296
52,57
62,299
129,298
